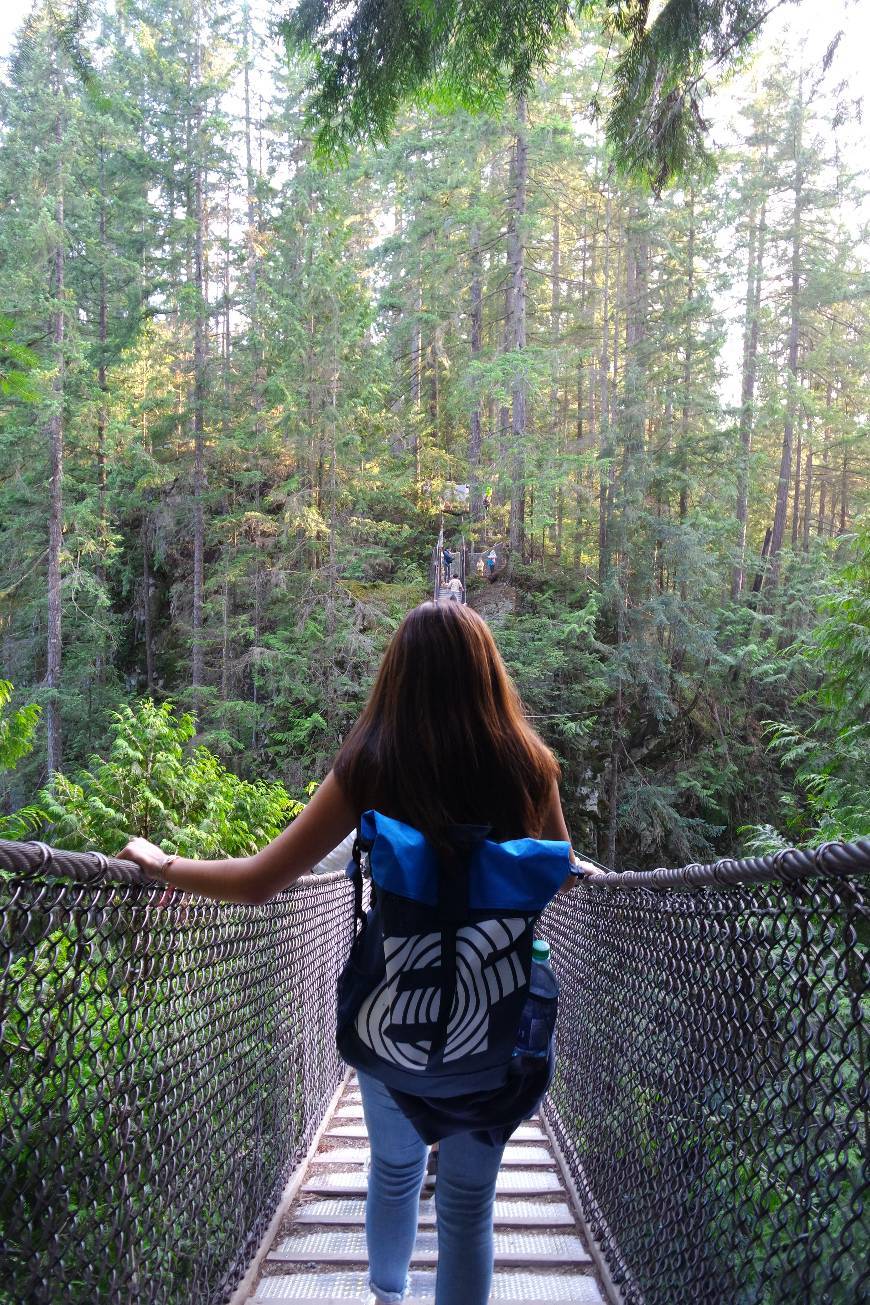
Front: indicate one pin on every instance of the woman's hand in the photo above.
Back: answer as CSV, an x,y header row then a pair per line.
x,y
587,868
148,856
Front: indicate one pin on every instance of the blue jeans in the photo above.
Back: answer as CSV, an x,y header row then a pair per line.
x,y
464,1195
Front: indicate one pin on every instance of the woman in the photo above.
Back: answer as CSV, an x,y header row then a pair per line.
x,y
432,762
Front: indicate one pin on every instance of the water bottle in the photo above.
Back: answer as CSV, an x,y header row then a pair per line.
x,y
539,1013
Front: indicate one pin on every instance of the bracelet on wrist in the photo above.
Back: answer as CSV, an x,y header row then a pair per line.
x,y
166,863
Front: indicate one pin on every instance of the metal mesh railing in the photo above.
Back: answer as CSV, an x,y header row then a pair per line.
x,y
166,1061
711,1097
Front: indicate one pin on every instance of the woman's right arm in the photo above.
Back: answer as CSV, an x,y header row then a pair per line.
x,y
326,820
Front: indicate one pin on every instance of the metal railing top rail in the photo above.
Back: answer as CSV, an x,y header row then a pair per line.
x,y
786,866
35,860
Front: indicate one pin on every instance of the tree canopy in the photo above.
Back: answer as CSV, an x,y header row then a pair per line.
x,y
371,58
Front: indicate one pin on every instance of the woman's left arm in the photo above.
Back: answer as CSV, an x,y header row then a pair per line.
x,y
326,820
554,827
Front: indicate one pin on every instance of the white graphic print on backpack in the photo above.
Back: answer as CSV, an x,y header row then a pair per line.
x,y
397,1020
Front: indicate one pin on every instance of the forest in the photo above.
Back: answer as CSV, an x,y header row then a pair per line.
x,y
243,367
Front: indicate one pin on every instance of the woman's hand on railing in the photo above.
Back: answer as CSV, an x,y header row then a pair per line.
x,y
148,856
580,870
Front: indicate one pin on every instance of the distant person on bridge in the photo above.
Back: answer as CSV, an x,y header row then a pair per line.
x,y
448,562
455,589
491,560
397,773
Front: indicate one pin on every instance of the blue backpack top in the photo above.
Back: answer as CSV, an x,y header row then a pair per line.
x,y
431,997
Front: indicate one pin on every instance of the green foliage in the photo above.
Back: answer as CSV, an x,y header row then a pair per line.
x,y
17,729
654,122
17,738
760,840
829,757
153,784
551,650
370,59
16,364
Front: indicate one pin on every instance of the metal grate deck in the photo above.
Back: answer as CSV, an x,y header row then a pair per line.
x,y
346,1246
319,1253
525,1132
530,1288
515,1157
519,1214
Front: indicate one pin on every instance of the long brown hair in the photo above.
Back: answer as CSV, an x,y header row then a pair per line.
x,y
443,738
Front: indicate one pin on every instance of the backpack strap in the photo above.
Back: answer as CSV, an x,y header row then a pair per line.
x,y
454,856
360,918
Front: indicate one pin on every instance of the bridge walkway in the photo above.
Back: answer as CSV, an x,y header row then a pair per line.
x,y
319,1251
437,571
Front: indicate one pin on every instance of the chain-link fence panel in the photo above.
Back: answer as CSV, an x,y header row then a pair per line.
x,y
166,1061
711,1096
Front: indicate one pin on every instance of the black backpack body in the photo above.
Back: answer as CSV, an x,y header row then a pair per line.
x,y
431,997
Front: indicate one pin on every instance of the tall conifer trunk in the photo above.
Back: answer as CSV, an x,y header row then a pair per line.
x,y
504,412
630,487
253,216
687,379
808,500
555,314
782,491
229,546
754,277
416,370
55,433
250,187
101,366
200,345
146,608
795,511
475,433
102,405
634,374
516,256
825,469
604,446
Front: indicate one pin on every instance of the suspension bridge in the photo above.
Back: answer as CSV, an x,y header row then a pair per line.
x,y
177,1127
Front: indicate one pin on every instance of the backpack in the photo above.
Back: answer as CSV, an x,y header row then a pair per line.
x,y
432,994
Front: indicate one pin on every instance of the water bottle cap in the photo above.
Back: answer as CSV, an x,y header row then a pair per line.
x,y
540,950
